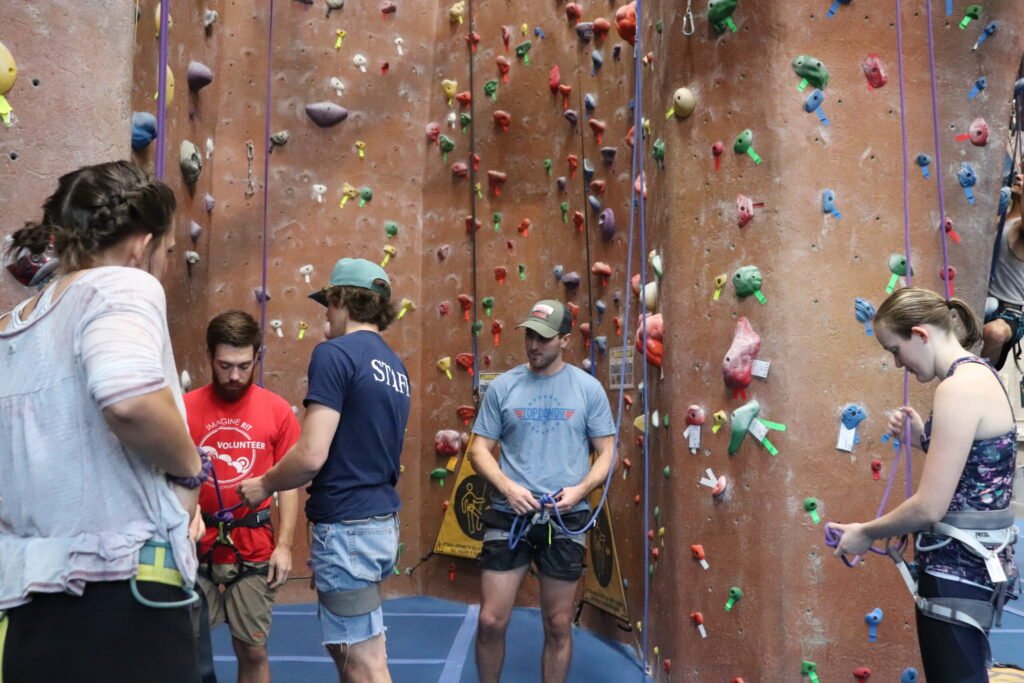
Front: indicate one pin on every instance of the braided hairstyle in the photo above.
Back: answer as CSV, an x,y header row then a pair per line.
x,y
95,208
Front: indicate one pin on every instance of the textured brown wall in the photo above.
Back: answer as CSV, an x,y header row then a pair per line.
x,y
799,603
61,119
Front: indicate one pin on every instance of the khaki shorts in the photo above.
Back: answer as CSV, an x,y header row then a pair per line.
x,y
245,605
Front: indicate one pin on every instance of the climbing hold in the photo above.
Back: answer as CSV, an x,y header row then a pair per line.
x,y
747,280
326,114
503,67
625,22
924,161
828,203
979,85
523,51
491,89
744,145
597,60
813,105
655,332
496,180
862,673
683,104
948,226
874,71
208,202
603,271
835,7
143,128
585,32
811,507
972,12
809,669
734,596
738,364
977,133
606,221
572,116
658,152
967,178
873,619
742,419
810,70
720,15
745,209
195,231
457,12
865,312
360,62
990,28
199,76
909,675
190,161
279,139
439,475
333,5
948,274
446,144
898,269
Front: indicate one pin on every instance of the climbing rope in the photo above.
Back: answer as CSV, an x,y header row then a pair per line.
x,y
472,206
938,159
161,88
266,185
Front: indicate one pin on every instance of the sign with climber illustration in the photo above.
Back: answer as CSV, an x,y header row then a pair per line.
x,y
602,586
620,360
462,529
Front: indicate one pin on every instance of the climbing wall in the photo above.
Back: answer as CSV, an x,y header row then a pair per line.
x,y
473,214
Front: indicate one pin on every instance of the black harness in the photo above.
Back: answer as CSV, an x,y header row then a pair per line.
x,y
253,520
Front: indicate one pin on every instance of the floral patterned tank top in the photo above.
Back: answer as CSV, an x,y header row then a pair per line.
x,y
985,484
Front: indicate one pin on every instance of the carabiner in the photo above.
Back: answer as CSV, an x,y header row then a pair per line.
x,y
688,20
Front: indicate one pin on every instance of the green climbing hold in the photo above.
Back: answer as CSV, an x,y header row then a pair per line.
x,y
741,420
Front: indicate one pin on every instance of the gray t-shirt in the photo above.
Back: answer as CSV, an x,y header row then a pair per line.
x,y
544,425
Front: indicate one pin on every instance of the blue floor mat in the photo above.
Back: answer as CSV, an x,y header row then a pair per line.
x,y
429,641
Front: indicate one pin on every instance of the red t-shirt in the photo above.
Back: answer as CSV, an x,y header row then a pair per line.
x,y
248,437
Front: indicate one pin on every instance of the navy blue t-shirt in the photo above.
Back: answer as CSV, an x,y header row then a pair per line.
x,y
359,376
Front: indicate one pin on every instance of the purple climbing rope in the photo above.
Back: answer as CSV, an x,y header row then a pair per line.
x,y
938,150
637,197
906,244
266,185
161,88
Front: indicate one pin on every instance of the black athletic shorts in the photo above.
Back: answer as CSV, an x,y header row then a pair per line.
x,y
951,653
561,558
1012,315
103,636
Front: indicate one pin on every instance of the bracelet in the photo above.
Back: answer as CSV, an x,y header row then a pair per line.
x,y
196,481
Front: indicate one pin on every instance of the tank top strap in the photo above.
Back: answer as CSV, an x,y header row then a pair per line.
x,y
981,361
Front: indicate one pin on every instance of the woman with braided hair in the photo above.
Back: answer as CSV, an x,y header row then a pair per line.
x,y
97,470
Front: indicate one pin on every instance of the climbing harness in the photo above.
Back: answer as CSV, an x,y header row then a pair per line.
x,y
985,533
157,565
224,522
549,515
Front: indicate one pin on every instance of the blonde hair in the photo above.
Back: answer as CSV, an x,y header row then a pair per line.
x,y
912,307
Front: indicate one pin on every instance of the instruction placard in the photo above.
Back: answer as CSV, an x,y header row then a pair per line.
x,y
620,368
462,528
602,586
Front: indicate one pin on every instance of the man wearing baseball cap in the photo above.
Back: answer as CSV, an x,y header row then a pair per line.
x,y
357,407
548,417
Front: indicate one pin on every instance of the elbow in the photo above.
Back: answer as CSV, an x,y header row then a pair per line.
x,y
932,512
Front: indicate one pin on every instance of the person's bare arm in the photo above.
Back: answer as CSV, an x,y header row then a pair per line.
x,y
302,463
481,456
604,446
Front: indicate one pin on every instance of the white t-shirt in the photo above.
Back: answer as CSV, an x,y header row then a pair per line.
x,y
75,505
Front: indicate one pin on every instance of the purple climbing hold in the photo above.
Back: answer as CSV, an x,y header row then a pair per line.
x,y
199,76
571,280
194,231
572,116
208,202
585,31
326,114
608,155
607,222
561,183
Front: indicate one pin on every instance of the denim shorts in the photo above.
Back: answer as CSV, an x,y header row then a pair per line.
x,y
349,556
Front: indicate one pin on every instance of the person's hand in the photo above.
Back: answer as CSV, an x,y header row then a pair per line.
x,y
197,527
569,497
854,540
520,499
253,492
898,418
280,566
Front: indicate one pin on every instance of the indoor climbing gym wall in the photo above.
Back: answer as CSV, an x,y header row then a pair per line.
x,y
721,192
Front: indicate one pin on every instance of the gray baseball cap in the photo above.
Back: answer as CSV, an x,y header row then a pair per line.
x,y
548,318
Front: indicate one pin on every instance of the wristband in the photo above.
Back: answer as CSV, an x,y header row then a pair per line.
x,y
196,481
